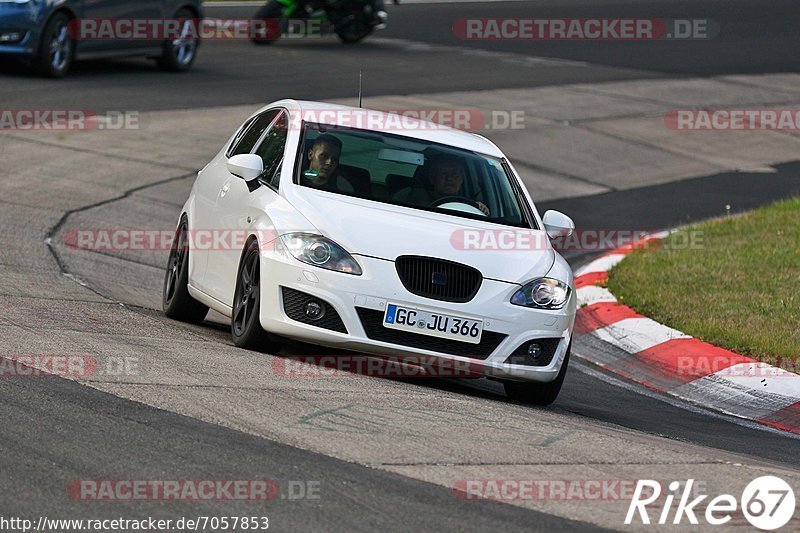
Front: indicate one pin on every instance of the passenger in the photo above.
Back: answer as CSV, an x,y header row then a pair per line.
x,y
323,168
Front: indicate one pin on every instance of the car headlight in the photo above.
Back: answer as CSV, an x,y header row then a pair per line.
x,y
321,252
542,293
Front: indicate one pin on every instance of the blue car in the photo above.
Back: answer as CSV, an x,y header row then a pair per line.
x,y
42,32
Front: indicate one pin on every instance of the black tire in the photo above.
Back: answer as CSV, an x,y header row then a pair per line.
x,y
271,10
56,48
176,300
246,330
353,30
178,55
538,393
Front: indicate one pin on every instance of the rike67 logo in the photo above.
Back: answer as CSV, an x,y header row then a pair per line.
x,y
767,502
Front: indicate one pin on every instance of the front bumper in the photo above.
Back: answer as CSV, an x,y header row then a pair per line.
x,y
351,295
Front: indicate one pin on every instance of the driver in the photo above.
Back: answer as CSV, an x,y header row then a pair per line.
x,y
446,175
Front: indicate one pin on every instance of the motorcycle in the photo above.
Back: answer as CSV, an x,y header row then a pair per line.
x,y
351,20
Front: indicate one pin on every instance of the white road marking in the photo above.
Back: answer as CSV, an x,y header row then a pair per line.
x,y
505,57
601,264
764,378
592,294
589,367
635,335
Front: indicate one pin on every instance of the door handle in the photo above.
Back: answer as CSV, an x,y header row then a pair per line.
x,y
224,190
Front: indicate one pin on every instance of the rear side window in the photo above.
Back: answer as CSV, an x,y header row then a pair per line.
x,y
271,150
249,135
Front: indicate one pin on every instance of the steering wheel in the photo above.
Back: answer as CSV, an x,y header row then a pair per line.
x,y
458,200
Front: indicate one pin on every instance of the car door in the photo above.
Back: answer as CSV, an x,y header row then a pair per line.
x,y
238,208
120,9
209,184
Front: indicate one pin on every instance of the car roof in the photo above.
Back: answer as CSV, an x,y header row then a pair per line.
x,y
381,121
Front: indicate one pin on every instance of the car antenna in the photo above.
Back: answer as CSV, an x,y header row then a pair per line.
x,y
359,87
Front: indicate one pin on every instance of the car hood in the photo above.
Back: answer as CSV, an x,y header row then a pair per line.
x,y
387,231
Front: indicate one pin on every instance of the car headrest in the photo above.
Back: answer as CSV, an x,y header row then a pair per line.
x,y
359,178
397,182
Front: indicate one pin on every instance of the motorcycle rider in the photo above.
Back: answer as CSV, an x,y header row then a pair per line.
x,y
375,15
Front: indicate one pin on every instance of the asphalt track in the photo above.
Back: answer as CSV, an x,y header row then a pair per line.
x,y
57,430
418,53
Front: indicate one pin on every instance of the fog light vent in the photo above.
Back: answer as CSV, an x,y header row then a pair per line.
x,y
311,310
536,352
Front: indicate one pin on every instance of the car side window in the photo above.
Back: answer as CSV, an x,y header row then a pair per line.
x,y
271,150
249,135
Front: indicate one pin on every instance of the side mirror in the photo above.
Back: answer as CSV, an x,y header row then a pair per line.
x,y
246,166
557,224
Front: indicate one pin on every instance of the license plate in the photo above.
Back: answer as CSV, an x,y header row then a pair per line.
x,y
433,324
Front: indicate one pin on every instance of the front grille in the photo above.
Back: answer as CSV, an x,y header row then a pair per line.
x,y
372,321
520,355
438,279
294,303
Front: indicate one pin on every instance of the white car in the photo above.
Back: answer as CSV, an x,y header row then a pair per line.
x,y
345,227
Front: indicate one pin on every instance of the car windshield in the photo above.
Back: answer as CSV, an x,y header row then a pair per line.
x,y
409,172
